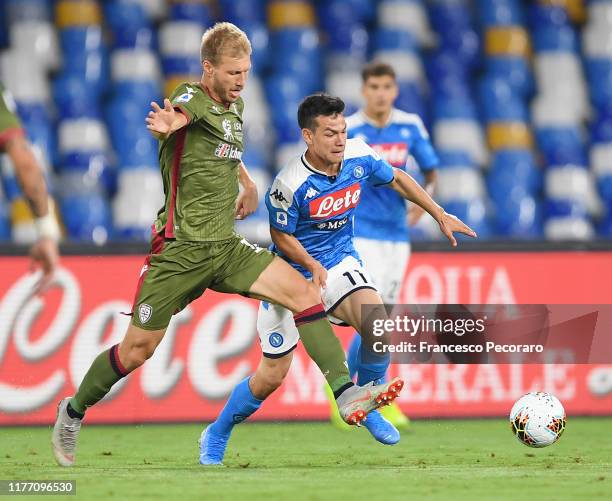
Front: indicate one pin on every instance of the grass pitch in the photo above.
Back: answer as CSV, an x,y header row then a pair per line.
x,y
475,459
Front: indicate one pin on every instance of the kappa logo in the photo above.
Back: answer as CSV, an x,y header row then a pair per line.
x,y
228,135
311,193
144,312
216,109
278,196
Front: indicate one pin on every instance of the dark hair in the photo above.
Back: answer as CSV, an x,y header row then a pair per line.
x,y
315,105
377,69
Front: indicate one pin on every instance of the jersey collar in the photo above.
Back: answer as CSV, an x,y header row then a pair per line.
x,y
309,166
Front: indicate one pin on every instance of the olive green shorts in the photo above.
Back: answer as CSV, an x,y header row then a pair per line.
x,y
178,272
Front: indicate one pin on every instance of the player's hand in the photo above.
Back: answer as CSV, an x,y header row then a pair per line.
x,y
450,224
44,253
247,201
162,121
414,214
319,274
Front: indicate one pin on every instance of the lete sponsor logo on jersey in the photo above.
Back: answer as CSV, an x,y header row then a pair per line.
x,y
335,203
394,153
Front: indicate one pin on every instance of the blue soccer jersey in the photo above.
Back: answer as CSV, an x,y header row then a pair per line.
x,y
318,209
381,215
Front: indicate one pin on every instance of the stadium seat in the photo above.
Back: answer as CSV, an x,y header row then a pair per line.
x,y
27,10
180,38
509,135
132,216
190,10
130,25
461,134
500,12
70,13
290,14
406,15
39,39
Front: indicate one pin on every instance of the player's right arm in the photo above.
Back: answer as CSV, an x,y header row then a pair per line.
x,y
294,251
283,215
162,122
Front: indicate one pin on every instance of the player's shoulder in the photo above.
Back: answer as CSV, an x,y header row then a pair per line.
x,y
358,148
355,120
185,92
400,117
293,175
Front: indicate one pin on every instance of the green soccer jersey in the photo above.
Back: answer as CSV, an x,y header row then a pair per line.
x,y
200,166
10,126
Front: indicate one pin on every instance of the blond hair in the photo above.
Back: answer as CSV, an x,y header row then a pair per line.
x,y
224,39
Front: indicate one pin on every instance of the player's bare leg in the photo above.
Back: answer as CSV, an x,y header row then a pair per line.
x,y
247,396
110,366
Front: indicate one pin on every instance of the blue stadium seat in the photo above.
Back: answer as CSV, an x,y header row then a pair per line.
x,y
515,70
388,39
75,98
474,214
179,65
518,217
87,217
131,28
242,12
500,12
554,38
191,11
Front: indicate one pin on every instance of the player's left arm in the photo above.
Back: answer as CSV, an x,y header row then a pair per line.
x,y
248,199
415,212
409,189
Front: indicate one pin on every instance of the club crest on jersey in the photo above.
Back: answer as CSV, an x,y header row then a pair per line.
x,y
228,135
276,339
358,172
144,312
335,203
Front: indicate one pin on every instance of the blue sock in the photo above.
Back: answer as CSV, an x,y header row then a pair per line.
x,y
371,366
240,405
352,355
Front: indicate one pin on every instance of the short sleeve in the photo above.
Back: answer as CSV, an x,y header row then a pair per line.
x,y
283,211
10,126
183,99
422,150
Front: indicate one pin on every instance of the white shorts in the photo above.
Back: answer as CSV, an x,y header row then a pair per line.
x,y
387,263
278,334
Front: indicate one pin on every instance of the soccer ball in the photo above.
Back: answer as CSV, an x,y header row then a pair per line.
x,y
537,419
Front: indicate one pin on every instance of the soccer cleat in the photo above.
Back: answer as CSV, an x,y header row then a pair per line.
x,y
212,447
334,416
381,429
356,402
65,433
395,416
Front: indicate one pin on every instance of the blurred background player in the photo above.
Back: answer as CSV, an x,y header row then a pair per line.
x,y
31,179
382,238
311,204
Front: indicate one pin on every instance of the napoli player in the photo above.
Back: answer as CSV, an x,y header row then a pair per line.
x,y
382,238
311,204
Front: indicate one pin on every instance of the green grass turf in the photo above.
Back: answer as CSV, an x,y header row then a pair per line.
x,y
471,459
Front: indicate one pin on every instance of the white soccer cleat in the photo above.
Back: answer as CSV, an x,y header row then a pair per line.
x,y
356,402
65,433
